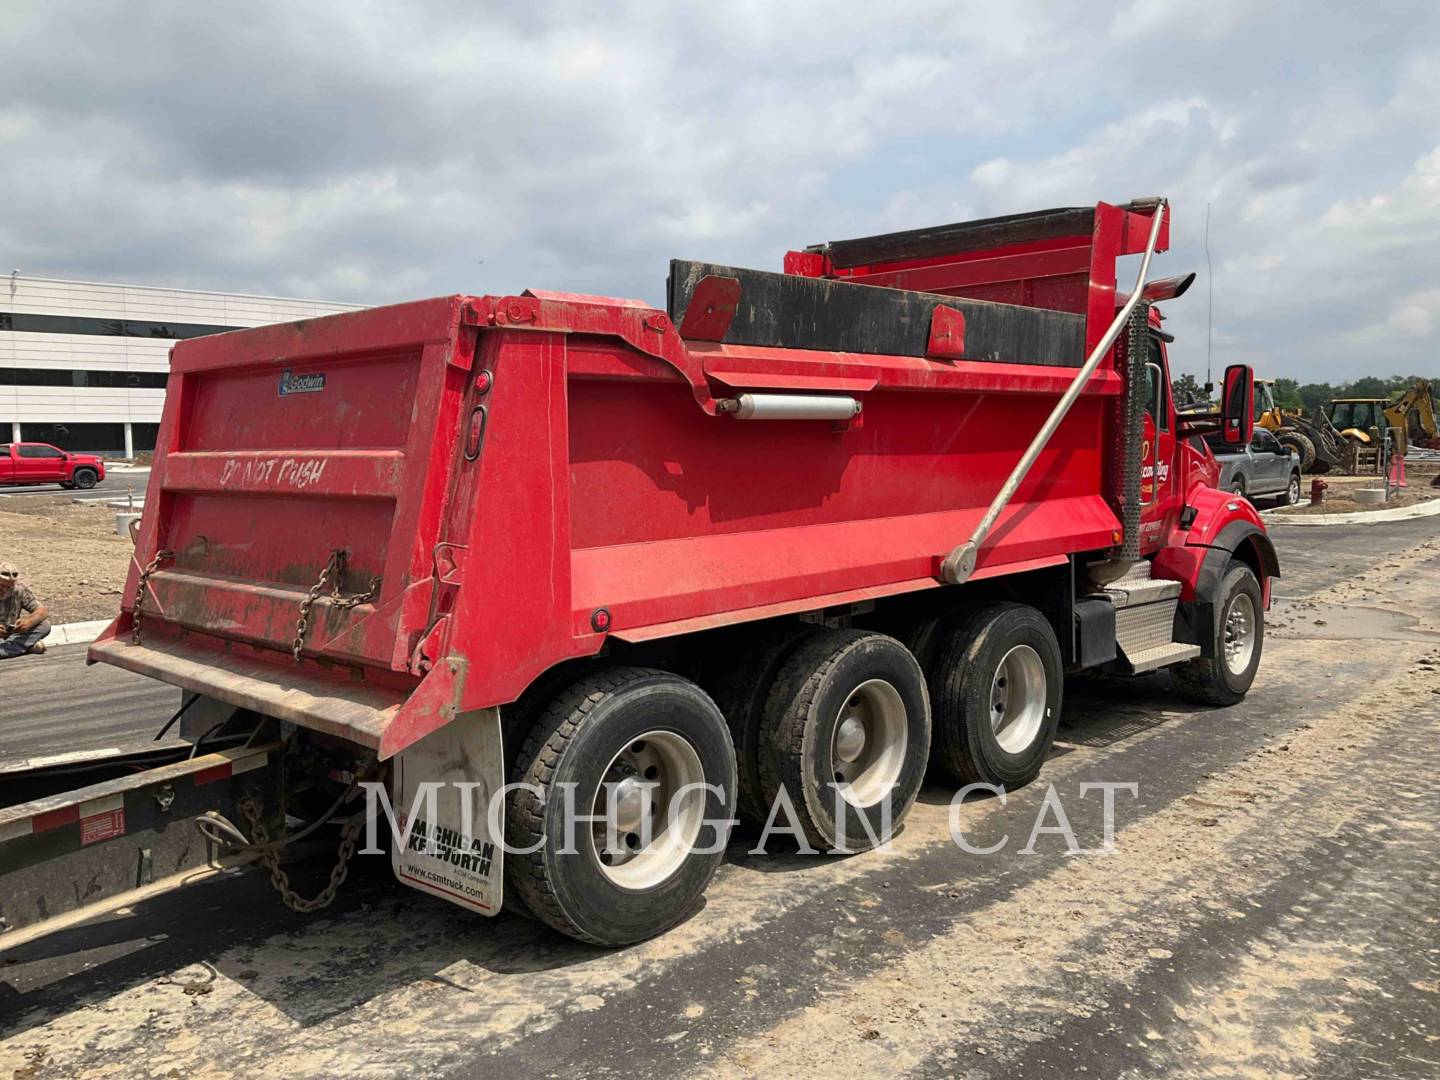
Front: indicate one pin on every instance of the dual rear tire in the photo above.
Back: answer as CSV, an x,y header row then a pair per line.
x,y
845,739
650,752
834,733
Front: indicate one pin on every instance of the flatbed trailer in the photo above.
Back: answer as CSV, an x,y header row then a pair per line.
x,y
765,553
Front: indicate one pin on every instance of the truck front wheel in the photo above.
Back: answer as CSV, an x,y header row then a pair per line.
x,y
85,479
1237,638
997,685
846,737
648,754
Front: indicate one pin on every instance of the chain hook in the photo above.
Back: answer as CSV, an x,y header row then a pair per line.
x,y
333,574
160,556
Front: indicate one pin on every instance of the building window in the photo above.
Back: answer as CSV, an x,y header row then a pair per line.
x,y
93,438
113,380
145,436
25,322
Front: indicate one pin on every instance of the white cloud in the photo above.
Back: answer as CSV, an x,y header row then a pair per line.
x,y
370,151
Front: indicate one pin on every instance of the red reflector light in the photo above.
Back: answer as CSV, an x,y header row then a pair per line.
x,y
483,380
475,433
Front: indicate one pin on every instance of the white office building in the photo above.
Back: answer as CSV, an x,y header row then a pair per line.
x,y
83,365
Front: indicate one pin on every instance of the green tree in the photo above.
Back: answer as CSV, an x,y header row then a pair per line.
x,y
1371,386
1187,389
1287,393
1314,396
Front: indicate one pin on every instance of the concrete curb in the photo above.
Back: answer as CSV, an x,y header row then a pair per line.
x,y
76,633
1362,517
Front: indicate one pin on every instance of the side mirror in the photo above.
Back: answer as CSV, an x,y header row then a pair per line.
x,y
1237,418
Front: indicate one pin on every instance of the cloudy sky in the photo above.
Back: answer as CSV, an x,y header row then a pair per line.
x,y
372,152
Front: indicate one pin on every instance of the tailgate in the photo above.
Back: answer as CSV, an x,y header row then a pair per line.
x,y
284,445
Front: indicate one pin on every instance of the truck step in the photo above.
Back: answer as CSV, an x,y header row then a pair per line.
x,y
1139,627
1139,588
1172,652
1124,594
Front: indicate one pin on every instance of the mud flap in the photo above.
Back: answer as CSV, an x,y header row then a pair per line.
x,y
441,793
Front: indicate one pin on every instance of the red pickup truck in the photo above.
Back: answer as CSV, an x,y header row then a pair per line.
x,y
41,463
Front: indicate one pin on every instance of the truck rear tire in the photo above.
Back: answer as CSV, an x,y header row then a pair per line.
x,y
1238,637
846,737
740,688
85,479
655,735
997,685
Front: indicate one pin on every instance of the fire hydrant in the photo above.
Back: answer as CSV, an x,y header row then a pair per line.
x,y
1317,491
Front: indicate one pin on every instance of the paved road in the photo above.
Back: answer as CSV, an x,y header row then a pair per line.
x,y
1268,910
54,704
113,486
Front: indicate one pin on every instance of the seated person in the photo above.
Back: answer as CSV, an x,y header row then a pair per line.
x,y
23,624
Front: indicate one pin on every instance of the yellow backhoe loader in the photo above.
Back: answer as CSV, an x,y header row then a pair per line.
x,y
1411,419
1319,446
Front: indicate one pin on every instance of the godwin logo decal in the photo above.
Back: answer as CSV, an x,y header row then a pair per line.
x,y
290,383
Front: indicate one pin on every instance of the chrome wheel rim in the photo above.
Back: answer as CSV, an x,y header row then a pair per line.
x,y
1239,633
867,748
1294,490
1017,699
650,809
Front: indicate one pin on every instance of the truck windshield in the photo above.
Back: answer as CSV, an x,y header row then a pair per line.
x,y
1353,414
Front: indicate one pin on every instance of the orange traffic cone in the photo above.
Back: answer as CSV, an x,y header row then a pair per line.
x,y
1397,470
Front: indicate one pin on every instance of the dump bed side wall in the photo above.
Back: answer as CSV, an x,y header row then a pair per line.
x,y
603,492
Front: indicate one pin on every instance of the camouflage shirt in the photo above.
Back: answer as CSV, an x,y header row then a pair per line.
x,y
18,601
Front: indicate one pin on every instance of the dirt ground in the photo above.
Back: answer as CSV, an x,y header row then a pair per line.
x,y
1340,498
68,554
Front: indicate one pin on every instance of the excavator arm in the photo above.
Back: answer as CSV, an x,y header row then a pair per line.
x,y
1414,414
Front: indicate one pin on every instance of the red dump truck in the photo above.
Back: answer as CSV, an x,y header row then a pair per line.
x,y
768,553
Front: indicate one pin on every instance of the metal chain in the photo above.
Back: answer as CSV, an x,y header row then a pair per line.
x,y
269,851
334,571
160,556
270,856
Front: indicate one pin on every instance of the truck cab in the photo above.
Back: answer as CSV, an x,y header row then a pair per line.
x,y
1362,419
41,463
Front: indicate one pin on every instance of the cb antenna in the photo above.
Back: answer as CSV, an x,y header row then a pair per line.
x,y
1210,283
